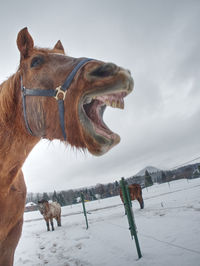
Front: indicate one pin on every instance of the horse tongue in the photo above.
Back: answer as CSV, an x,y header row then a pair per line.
x,y
95,111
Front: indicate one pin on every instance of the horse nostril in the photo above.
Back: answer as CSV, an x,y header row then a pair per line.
x,y
129,71
104,70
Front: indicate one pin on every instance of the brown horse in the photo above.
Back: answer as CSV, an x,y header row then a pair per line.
x,y
51,96
135,191
49,211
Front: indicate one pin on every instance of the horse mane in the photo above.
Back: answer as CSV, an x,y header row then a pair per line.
x,y
9,97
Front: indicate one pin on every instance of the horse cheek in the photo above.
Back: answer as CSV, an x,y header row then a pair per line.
x,y
36,115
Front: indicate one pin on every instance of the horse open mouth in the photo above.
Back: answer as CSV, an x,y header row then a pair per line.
x,y
92,109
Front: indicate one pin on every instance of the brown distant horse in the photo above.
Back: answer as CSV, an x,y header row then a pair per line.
x,y
49,211
51,96
135,191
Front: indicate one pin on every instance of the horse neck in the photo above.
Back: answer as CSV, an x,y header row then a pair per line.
x,y
15,143
46,207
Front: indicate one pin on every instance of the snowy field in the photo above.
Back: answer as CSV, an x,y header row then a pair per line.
x,y
168,232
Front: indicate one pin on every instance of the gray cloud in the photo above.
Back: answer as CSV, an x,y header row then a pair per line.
x,y
159,42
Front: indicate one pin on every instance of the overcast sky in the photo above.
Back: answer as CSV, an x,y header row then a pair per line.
x,y
159,41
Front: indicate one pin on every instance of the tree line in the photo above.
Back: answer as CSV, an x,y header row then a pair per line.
x,y
100,191
72,196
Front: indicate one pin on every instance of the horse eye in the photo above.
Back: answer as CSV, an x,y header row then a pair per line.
x,y
37,61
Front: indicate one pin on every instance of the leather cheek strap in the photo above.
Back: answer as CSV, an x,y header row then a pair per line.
x,y
52,93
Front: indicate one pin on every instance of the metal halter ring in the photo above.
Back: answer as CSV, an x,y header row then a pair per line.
x,y
58,91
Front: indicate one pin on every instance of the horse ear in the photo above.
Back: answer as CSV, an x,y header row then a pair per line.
x,y
25,43
59,46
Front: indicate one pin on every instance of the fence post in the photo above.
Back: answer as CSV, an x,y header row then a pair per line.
x,y
129,213
84,210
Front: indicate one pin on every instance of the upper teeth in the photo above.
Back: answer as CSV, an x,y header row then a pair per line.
x,y
115,103
111,101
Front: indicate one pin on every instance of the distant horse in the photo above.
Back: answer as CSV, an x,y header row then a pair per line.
x,y
49,211
135,191
51,96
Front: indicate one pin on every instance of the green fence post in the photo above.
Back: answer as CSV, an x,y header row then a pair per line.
x,y
129,212
84,210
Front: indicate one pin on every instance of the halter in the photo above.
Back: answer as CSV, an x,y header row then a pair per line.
x,y
52,93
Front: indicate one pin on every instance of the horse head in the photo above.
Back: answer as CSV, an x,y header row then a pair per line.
x,y
74,113
42,204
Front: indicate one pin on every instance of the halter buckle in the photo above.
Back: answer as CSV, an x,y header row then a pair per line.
x,y
58,91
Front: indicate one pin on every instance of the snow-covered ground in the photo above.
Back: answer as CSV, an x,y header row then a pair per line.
x,y
168,232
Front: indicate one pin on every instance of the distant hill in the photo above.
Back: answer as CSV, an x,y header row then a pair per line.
x,y
150,169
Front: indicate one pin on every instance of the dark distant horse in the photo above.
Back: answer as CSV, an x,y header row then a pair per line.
x,y
51,96
49,211
135,191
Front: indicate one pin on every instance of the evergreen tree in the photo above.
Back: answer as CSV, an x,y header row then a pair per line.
x,y
55,196
70,196
100,190
38,197
45,196
92,196
163,177
61,199
116,184
148,179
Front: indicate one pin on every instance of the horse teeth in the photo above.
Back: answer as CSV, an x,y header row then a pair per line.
x,y
107,102
114,104
88,100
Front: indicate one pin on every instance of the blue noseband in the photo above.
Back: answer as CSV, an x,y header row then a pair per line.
x,y
52,93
